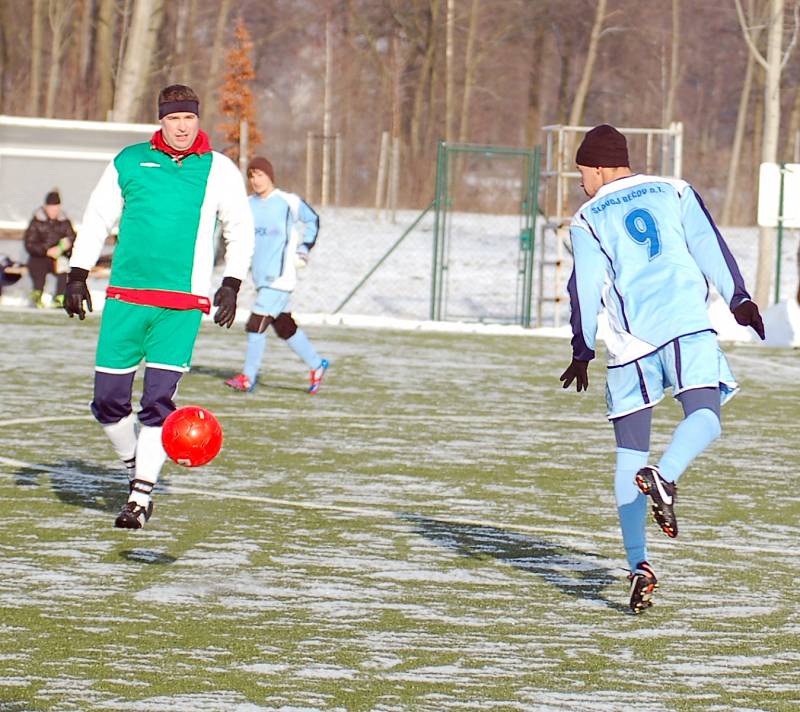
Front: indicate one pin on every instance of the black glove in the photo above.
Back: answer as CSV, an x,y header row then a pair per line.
x,y
76,293
576,371
747,314
225,299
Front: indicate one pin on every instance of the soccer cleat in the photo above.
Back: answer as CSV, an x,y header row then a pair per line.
x,y
240,383
316,376
663,495
643,584
133,516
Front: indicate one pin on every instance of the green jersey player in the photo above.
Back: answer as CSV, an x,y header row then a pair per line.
x,y
166,195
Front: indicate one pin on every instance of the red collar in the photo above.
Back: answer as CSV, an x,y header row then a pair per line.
x,y
201,145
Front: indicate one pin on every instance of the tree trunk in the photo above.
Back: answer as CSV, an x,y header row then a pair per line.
x,y
59,13
674,70
579,101
135,70
793,128
449,82
533,119
565,70
83,79
5,55
769,143
426,78
470,70
37,21
732,189
103,58
212,81
182,46
326,114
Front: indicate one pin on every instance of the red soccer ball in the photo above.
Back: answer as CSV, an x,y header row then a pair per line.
x,y
191,436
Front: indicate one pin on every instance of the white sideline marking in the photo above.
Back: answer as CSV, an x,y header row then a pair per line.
x,y
386,514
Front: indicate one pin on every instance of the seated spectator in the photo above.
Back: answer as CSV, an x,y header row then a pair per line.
x,y
48,240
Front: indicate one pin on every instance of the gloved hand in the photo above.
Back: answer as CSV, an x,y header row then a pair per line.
x,y
225,299
747,314
76,293
576,371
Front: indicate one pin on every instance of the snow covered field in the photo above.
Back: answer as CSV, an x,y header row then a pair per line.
x,y
418,536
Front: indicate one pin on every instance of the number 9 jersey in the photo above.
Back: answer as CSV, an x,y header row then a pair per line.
x,y
646,248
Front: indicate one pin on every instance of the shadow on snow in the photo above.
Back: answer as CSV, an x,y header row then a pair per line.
x,y
572,571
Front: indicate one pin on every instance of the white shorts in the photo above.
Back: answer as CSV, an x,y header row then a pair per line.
x,y
693,361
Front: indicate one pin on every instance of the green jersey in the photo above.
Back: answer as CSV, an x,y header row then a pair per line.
x,y
167,212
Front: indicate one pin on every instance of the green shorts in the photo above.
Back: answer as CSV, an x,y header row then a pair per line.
x,y
164,338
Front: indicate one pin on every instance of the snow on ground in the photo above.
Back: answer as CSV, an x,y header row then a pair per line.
x,y
481,278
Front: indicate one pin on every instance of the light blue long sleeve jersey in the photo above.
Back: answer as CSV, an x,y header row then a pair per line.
x,y
278,219
645,248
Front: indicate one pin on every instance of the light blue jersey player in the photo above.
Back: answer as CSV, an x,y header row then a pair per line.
x,y
285,230
645,248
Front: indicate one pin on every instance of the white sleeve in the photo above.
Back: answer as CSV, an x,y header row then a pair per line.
x,y
102,213
236,220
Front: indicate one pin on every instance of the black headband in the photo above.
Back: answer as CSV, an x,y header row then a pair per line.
x,y
173,107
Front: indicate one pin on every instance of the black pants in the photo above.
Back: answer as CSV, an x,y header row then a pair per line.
x,y
39,268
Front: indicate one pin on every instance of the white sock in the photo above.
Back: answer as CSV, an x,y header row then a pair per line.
x,y
150,457
122,435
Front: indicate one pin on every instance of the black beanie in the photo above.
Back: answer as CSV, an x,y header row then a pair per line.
x,y
52,198
259,163
603,147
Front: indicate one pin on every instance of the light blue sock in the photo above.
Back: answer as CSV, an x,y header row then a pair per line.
x,y
256,343
631,504
693,435
300,344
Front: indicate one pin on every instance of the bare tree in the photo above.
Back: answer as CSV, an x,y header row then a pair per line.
x,y
104,58
135,69
59,13
674,66
773,64
425,41
470,68
85,36
579,100
533,120
37,22
731,191
215,62
449,82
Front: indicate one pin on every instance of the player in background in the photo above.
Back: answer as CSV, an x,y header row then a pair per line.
x,y
280,251
166,195
645,248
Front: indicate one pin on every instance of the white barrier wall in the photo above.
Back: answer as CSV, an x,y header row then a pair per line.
x,y
37,155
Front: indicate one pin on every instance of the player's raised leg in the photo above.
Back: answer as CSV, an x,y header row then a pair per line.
x,y
699,428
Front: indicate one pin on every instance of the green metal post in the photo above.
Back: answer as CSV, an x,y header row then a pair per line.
x,y
780,237
435,270
533,209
